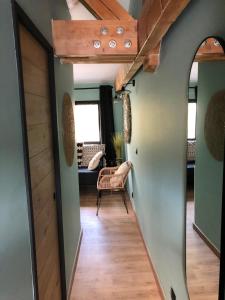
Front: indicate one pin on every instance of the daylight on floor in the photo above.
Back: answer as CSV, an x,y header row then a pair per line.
x,y
112,150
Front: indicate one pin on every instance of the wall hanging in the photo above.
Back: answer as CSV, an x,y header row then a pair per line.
x,y
127,126
68,129
214,125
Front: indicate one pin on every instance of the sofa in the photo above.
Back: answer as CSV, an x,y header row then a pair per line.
x,y
191,149
85,153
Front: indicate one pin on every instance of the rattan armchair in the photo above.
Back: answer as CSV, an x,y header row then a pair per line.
x,y
112,181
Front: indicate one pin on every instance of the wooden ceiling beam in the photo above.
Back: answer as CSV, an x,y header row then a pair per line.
x,y
156,19
117,9
76,38
209,57
106,9
210,50
109,59
101,12
152,60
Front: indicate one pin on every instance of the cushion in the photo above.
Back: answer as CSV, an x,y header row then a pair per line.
x,y
191,149
89,150
123,168
79,153
122,171
93,164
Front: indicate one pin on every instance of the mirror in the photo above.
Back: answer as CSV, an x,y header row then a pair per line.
x,y
205,152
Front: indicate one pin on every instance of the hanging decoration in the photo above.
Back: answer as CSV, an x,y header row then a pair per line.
x,y
127,125
214,125
68,129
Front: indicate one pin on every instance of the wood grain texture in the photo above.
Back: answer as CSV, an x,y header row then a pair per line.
x,y
202,264
210,50
39,138
117,9
156,19
99,10
74,265
31,84
75,38
113,263
209,57
41,165
38,57
152,60
106,9
37,108
39,135
109,59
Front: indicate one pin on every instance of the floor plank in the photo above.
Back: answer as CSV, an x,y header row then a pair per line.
x,y
113,263
202,263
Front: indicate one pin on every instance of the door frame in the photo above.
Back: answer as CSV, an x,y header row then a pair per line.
x,y
20,17
221,288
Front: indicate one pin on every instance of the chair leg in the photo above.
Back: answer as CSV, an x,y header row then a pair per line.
x,y
99,198
125,200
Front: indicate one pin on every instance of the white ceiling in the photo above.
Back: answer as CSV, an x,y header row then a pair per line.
x,y
92,73
95,73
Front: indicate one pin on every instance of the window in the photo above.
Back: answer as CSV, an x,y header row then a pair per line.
x,y
87,122
191,120
192,110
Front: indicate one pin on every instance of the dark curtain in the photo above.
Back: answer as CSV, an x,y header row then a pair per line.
x,y
107,123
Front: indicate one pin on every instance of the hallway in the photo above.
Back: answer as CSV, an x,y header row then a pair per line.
x,y
113,263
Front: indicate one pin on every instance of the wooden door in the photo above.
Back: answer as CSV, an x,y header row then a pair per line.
x,y
40,148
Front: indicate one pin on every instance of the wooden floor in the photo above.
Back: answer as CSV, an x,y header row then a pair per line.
x,y
113,263
202,263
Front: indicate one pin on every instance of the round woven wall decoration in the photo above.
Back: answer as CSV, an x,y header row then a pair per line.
x,y
68,129
214,125
127,125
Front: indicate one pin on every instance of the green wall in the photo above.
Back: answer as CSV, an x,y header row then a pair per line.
x,y
86,95
15,257
159,122
208,171
69,175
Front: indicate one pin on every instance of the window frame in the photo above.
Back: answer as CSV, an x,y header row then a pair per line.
x,y
193,100
90,102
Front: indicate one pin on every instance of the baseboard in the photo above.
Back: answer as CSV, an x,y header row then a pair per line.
x,y
149,257
74,265
206,240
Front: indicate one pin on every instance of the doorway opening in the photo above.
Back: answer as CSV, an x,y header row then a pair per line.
x,y
205,169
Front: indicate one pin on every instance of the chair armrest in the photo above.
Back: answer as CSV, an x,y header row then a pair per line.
x,y
107,171
104,181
